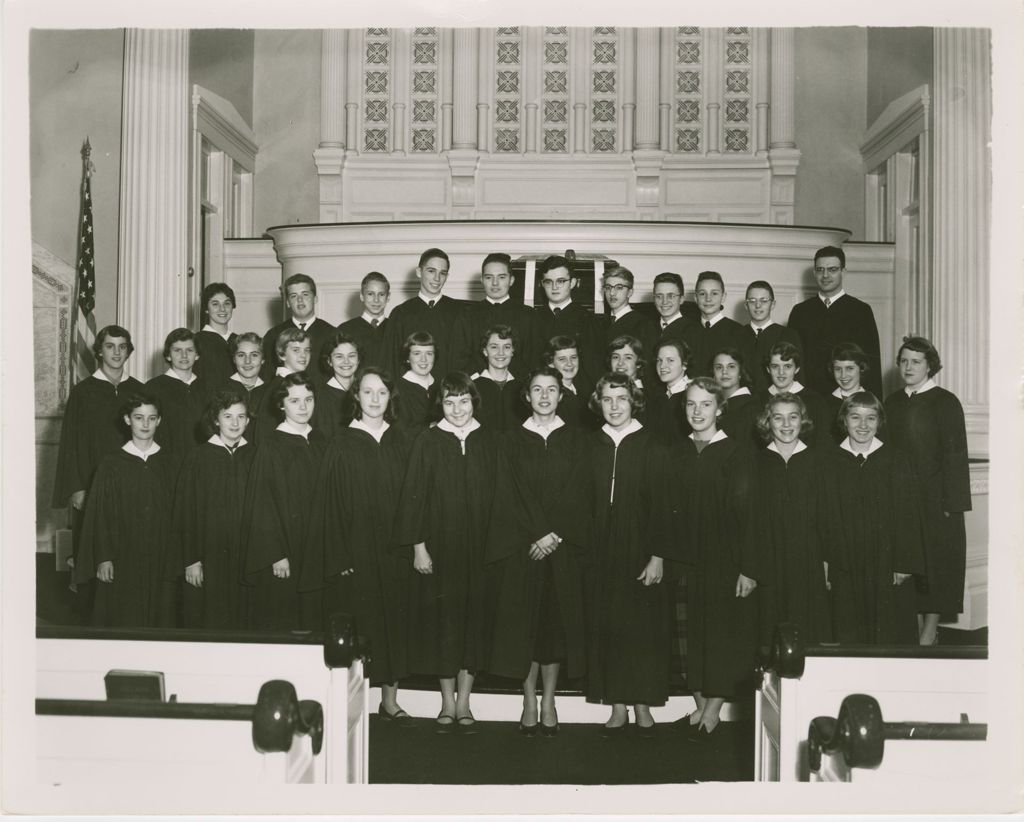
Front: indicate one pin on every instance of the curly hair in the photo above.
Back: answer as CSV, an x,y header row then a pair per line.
x,y
617,380
764,418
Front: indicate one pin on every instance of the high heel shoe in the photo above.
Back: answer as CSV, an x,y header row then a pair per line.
x,y
550,730
615,731
527,730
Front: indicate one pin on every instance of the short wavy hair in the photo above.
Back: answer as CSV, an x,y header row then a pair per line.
x,y
423,338
221,401
455,384
737,355
176,336
786,352
711,387
136,400
763,422
924,346
850,352
336,339
391,412
540,371
684,352
617,380
281,391
290,335
503,332
245,337
622,341
864,399
111,331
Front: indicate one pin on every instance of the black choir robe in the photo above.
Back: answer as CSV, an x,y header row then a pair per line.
x,y
578,323
334,409
215,363
208,528
574,406
355,507
755,349
874,528
446,504
370,341
664,415
929,429
832,406
847,320
501,406
277,512
182,408
679,328
739,420
629,624
416,315
415,407
128,522
474,321
635,323
714,492
790,529
92,428
319,332
541,489
706,342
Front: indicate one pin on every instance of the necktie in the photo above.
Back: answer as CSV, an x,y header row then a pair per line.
x,y
556,311
664,324
374,323
707,323
828,302
757,333
861,459
912,393
430,303
668,393
302,326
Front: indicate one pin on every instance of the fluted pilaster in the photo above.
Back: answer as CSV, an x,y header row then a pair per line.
x,y
782,89
648,57
153,229
332,88
962,195
465,87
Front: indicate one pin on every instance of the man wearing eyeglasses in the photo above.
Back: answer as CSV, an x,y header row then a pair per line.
x,y
674,315
762,332
621,318
561,316
831,318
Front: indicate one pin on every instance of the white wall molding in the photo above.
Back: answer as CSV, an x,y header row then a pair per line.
x,y
225,129
903,119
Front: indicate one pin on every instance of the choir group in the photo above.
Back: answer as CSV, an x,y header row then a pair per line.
x,y
527,491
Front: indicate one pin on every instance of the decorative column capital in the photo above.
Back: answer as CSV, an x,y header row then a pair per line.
x,y
647,164
463,164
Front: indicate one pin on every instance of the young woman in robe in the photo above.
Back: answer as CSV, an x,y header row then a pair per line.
x,y
713,483
182,396
849,364
125,542
539,528
335,405
791,527
444,514
926,422
416,386
247,357
500,403
563,355
278,510
352,549
294,356
629,606
214,341
665,414
873,515
785,362
739,418
208,523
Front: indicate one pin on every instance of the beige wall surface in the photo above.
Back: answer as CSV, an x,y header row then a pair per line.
x,y
831,78
286,114
75,92
899,60
221,60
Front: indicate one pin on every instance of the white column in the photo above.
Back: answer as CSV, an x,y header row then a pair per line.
x,y
760,81
465,88
153,230
713,39
579,86
783,155
400,75
354,81
531,61
960,264
447,69
648,56
665,97
330,156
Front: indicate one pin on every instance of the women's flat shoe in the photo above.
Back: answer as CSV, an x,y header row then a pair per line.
x,y
399,716
467,725
646,731
445,724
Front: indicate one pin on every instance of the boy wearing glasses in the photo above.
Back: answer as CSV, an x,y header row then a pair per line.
x,y
831,318
621,319
674,315
560,316
762,332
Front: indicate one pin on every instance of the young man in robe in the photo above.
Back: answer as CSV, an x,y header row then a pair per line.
x,y
368,328
299,293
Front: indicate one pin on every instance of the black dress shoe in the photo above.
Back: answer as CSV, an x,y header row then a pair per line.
x,y
617,730
527,730
702,736
549,730
685,727
399,717
646,731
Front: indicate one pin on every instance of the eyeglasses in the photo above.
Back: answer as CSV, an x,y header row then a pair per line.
x,y
559,282
617,289
760,301
667,298
832,269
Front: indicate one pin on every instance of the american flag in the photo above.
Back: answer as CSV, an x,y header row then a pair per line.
x,y
83,363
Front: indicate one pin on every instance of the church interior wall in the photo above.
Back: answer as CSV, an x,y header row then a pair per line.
x,y
75,92
286,114
221,60
899,60
830,119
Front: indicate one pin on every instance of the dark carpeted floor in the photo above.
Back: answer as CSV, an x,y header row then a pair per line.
x,y
578,755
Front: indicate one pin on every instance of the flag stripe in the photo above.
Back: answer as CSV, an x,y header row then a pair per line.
x,y
83,361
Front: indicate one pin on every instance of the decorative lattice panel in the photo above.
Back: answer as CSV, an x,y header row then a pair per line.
x,y
688,94
604,92
377,85
555,103
737,101
508,84
424,91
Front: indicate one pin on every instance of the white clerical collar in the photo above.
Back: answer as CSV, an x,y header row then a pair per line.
x,y
427,299
795,387
755,327
413,377
800,446
376,433
485,374
238,378
831,297
742,391
224,335
98,374
679,386
543,430
876,443
562,306
715,319
463,432
288,428
369,318
333,382
284,371
927,385
719,436
170,372
217,440
306,323
502,301
568,386
842,395
667,321
618,436
621,311
131,448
